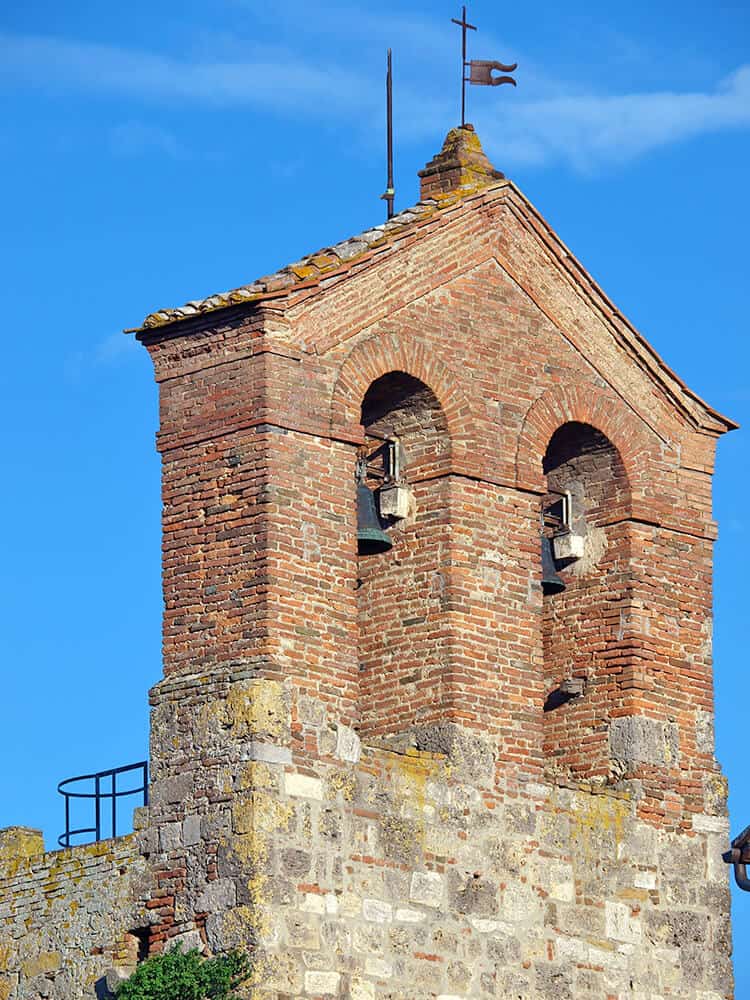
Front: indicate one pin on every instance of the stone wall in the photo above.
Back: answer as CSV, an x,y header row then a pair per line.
x,y
363,872
421,874
68,917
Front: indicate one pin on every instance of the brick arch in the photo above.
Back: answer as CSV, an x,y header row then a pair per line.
x,y
586,405
378,356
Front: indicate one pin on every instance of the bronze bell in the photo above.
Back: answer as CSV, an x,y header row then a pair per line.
x,y
370,535
551,582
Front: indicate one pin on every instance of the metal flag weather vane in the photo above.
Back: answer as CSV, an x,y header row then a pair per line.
x,y
480,70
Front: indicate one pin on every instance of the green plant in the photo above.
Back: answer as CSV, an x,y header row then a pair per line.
x,y
178,975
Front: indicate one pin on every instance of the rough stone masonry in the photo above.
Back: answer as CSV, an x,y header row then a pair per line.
x,y
417,773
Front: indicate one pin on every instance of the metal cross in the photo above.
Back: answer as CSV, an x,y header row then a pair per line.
x,y
464,25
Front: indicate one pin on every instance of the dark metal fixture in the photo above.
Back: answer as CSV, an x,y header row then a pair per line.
x,y
390,192
464,25
739,856
551,582
371,538
99,787
568,690
480,70
573,687
386,462
558,514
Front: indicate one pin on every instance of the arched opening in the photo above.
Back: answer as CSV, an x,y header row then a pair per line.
x,y
585,532
400,592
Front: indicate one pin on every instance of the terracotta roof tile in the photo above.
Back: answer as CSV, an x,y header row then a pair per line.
x,y
321,264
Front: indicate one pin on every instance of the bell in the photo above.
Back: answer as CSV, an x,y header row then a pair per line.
x,y
551,582
370,536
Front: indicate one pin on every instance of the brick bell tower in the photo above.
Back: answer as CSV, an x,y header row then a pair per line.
x,y
436,715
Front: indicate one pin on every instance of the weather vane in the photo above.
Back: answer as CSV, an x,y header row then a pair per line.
x,y
480,70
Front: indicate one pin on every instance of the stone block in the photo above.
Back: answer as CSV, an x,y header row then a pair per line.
x,y
303,786
348,745
187,941
635,739
560,883
18,843
620,924
217,896
268,753
322,983
473,894
710,824
301,932
715,792
470,754
377,911
360,989
42,964
115,977
427,888
170,836
313,902
378,967
704,731
171,790
191,830
259,708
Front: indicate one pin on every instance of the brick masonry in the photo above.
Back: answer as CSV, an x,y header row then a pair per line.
x,y
362,768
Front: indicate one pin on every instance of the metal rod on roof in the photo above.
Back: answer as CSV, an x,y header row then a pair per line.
x,y
464,26
390,193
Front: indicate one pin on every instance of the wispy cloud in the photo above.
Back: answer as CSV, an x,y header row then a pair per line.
x,y
108,352
277,80
589,131
134,138
549,121
113,348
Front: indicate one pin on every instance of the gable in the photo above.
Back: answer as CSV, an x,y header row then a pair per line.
x,y
335,294
503,230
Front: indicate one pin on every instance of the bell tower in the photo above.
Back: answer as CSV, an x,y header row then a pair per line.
x,y
436,710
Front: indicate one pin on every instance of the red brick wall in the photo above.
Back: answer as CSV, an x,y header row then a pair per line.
x,y
312,564
672,681
494,674
215,553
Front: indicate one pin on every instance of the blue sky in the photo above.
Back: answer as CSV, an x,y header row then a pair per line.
x,y
156,152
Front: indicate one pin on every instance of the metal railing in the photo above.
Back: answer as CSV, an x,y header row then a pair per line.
x,y
99,787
